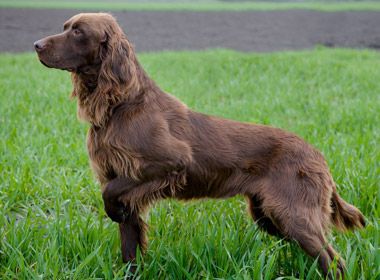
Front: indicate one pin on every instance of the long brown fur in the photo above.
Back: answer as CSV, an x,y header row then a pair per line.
x,y
145,145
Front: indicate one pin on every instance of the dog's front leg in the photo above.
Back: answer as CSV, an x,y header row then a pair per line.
x,y
115,209
132,235
131,226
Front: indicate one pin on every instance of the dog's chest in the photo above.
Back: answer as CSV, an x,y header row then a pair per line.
x,y
110,157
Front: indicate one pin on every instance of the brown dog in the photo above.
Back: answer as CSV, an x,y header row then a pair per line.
x,y
145,145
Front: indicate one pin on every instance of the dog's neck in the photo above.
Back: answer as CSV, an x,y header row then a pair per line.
x,y
95,105
89,76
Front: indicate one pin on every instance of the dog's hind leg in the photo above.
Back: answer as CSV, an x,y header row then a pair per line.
x,y
340,263
301,214
316,246
300,230
264,222
304,224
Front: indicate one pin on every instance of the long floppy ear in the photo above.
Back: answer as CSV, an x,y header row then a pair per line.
x,y
118,72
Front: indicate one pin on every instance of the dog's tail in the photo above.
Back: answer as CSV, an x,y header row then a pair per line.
x,y
345,216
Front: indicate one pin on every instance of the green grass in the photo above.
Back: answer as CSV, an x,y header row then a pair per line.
x,y
192,5
52,222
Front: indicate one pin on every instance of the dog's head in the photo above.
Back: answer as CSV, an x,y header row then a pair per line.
x,y
78,45
88,39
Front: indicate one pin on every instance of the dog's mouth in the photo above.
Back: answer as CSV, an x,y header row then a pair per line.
x,y
70,69
45,64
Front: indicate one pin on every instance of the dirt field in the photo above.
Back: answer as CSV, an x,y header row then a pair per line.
x,y
244,31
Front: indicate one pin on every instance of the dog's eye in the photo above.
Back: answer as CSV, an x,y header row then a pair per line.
x,y
77,32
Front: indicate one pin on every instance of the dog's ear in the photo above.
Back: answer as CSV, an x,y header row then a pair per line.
x,y
103,47
118,69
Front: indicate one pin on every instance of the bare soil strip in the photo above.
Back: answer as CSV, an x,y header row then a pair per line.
x,y
262,31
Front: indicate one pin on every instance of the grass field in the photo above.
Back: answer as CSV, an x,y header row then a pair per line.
x,y
208,5
52,222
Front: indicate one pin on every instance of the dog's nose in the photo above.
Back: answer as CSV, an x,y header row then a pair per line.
x,y
39,45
